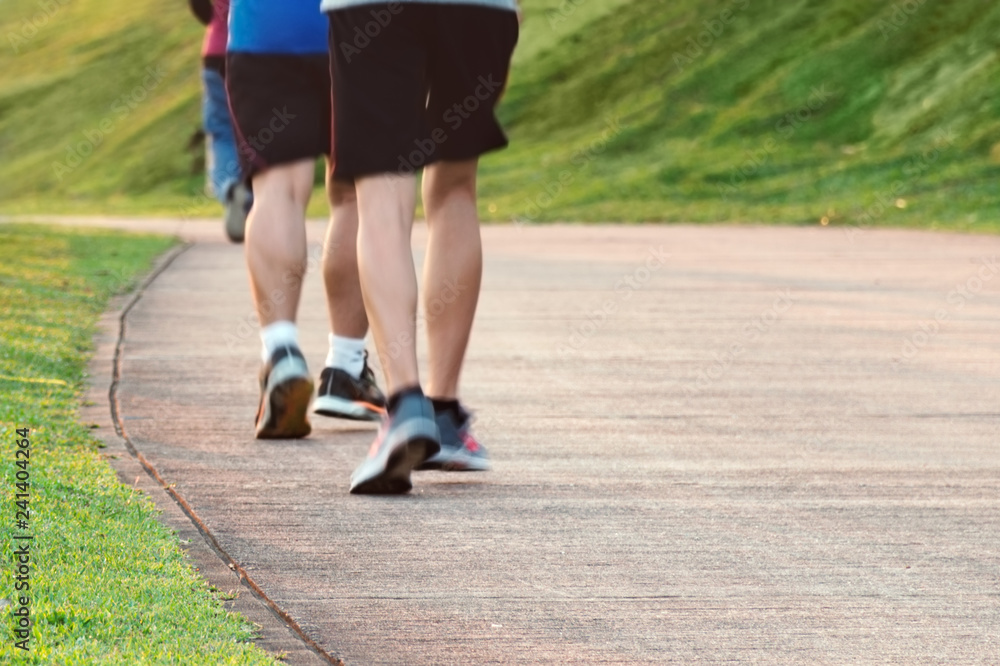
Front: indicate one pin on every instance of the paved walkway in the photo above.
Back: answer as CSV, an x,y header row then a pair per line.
x,y
768,445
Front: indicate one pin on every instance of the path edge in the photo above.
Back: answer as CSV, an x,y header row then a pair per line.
x,y
279,635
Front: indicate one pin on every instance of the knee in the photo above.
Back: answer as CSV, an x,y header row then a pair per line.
x,y
447,180
285,186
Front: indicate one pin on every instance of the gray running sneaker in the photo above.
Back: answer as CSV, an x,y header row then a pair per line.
x,y
460,452
407,437
285,391
237,207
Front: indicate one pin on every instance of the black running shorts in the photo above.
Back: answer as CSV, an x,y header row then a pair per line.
x,y
280,106
415,83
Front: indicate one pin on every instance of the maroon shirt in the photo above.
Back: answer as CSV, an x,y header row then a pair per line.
x,y
217,33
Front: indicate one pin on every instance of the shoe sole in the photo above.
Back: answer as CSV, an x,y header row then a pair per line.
x,y
285,408
457,463
395,479
417,445
339,408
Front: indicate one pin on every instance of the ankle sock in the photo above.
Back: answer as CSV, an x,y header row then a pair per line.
x,y
278,334
394,399
451,407
347,354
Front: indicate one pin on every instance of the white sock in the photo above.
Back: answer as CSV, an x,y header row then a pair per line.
x,y
278,334
347,354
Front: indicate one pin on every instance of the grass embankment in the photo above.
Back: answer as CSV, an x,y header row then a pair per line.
x,y
855,111
762,111
108,583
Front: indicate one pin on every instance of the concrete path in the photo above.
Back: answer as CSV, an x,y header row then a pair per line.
x,y
767,445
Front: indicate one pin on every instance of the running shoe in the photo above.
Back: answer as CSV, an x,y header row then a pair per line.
x,y
237,207
407,437
460,451
343,396
285,391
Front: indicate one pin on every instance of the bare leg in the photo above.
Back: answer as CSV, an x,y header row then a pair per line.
x,y
388,278
340,263
452,270
276,259
276,240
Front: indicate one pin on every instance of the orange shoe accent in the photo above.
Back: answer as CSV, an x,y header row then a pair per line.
x,y
377,443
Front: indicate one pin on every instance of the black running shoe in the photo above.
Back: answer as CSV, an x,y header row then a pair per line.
x,y
460,451
285,391
407,437
343,396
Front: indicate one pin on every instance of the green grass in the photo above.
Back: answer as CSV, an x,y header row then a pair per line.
x,y
614,111
109,583
689,124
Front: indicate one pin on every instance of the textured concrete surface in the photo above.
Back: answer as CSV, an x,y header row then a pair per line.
x,y
774,445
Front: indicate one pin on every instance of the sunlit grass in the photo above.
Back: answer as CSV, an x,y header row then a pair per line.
x,y
109,583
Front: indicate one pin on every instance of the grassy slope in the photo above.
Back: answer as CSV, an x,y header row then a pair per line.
x,y
687,129
909,115
109,582
72,75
